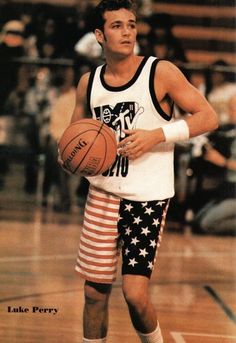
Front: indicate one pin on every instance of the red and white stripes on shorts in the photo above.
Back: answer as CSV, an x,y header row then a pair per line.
x,y
97,256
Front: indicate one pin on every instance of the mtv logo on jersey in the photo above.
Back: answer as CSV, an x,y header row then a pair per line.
x,y
119,117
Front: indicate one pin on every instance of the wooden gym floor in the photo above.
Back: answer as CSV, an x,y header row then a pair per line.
x,y
193,285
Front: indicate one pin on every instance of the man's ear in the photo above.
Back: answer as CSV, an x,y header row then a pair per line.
x,y
99,36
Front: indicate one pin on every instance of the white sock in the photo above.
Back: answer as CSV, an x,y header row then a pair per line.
x,y
99,340
153,337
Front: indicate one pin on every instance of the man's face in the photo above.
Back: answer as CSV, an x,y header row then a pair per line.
x,y
119,33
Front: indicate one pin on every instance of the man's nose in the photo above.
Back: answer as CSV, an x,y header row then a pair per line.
x,y
126,31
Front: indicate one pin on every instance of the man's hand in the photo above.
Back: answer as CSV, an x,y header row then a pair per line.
x,y
139,141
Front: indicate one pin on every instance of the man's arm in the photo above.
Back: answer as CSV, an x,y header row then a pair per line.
x,y
170,82
81,99
174,84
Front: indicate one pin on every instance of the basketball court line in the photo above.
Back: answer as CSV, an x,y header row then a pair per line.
x,y
220,302
36,258
37,295
179,336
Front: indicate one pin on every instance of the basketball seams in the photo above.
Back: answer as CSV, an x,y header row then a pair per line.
x,y
109,131
75,137
105,153
91,145
100,124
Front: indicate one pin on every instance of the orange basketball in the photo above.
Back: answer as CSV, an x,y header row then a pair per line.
x,y
88,147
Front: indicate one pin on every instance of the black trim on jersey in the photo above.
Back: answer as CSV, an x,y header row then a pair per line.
x,y
128,84
89,90
153,94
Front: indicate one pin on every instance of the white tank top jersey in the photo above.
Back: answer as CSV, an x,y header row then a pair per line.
x,y
133,106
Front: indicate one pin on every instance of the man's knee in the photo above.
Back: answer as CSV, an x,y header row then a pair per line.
x,y
96,292
136,297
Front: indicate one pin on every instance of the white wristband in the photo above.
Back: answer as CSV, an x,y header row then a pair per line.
x,y
176,131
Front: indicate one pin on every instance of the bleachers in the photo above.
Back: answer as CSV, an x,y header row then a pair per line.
x,y
206,28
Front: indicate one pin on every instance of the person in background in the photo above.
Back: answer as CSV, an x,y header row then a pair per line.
x,y
47,39
59,120
11,47
24,128
38,101
221,89
218,215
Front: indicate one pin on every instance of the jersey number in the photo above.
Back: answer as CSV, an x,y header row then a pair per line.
x,y
119,168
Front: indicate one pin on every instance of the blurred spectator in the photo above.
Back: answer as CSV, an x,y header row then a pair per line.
x,y
11,46
89,50
163,42
47,39
16,125
59,120
38,101
219,214
221,90
15,102
83,13
30,37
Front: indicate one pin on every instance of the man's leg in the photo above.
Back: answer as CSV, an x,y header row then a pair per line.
x,y
95,316
142,312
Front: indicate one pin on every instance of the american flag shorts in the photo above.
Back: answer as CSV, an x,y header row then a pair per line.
x,y
112,223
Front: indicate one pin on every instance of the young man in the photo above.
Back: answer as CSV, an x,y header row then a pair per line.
x,y
127,205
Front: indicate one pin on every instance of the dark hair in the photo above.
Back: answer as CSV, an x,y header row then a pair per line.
x,y
98,20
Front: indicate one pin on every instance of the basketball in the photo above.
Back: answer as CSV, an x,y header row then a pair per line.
x,y
88,147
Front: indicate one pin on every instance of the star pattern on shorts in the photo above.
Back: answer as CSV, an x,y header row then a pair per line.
x,y
150,265
128,231
132,262
143,252
152,243
156,222
128,207
134,241
137,220
140,231
145,231
149,210
161,203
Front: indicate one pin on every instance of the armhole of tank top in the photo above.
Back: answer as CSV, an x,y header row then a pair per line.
x,y
89,90
156,104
